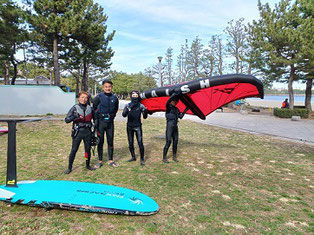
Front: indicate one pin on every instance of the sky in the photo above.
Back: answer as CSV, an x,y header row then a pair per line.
x,y
146,28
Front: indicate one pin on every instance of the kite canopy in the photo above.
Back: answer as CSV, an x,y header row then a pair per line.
x,y
203,96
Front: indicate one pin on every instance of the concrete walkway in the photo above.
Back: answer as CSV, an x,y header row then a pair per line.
x,y
300,131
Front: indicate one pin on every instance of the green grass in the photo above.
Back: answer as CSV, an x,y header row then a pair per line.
x,y
226,182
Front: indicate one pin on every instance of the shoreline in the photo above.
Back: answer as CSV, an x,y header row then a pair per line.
x,y
271,103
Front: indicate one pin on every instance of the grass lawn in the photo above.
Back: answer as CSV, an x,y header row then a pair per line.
x,y
226,182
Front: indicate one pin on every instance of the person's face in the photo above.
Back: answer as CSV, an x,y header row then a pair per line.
x,y
134,95
83,99
107,87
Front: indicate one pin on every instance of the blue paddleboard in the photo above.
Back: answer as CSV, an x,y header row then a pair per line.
x,y
80,196
3,130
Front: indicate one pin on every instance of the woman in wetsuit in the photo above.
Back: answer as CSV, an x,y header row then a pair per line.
x,y
133,111
172,132
81,115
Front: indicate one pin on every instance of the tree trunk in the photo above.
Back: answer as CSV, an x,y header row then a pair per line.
x,y
85,77
220,57
237,61
7,73
308,94
290,87
56,60
15,71
77,88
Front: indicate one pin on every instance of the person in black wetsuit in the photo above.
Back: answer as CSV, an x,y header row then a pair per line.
x,y
172,132
133,111
81,115
106,105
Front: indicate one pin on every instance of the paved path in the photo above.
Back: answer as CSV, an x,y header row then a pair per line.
x,y
300,131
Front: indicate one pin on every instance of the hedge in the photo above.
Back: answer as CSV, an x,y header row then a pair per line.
x,y
287,113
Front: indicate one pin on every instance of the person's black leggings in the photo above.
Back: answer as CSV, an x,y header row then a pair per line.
x,y
139,136
172,134
84,134
107,127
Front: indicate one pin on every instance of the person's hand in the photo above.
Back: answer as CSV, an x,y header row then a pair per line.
x,y
76,115
177,91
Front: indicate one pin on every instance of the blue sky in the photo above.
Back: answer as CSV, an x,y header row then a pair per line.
x,y
146,28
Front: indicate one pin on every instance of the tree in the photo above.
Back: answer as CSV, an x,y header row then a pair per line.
x,y
153,72
306,30
12,36
276,43
183,63
236,42
211,56
168,66
95,52
51,22
196,58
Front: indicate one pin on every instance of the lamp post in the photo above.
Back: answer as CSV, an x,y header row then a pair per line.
x,y
159,70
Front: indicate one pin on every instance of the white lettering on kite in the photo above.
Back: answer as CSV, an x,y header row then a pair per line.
x,y
185,89
154,93
204,83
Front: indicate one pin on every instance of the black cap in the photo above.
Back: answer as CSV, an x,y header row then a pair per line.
x,y
134,92
107,81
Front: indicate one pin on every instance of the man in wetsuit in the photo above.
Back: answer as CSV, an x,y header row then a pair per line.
x,y
172,132
106,105
133,111
81,115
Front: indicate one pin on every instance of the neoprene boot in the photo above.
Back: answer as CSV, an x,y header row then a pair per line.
x,y
175,158
88,165
164,158
142,161
68,171
133,158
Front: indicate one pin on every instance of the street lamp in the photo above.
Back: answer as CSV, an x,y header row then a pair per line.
x,y
159,70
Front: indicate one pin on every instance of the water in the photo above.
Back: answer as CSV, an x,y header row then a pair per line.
x,y
297,98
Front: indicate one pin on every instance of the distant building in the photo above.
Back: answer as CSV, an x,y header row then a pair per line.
x,y
39,80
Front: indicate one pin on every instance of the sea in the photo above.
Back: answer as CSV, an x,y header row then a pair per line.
x,y
297,98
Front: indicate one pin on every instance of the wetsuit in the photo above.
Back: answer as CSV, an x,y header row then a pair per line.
x,y
106,107
133,111
172,133
81,130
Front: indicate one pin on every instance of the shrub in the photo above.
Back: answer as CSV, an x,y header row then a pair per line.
x,y
287,113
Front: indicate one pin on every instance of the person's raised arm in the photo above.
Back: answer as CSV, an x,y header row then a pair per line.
x,y
144,111
181,115
125,110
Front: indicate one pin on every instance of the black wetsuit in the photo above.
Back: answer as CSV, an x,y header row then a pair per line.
x,y
172,133
81,130
134,125
106,107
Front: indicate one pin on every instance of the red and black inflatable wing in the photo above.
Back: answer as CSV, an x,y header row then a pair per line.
x,y
203,96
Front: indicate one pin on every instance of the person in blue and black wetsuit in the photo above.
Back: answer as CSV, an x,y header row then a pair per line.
x,y
133,111
106,105
81,115
172,132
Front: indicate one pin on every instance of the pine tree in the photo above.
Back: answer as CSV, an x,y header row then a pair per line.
x,y
276,43
12,36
